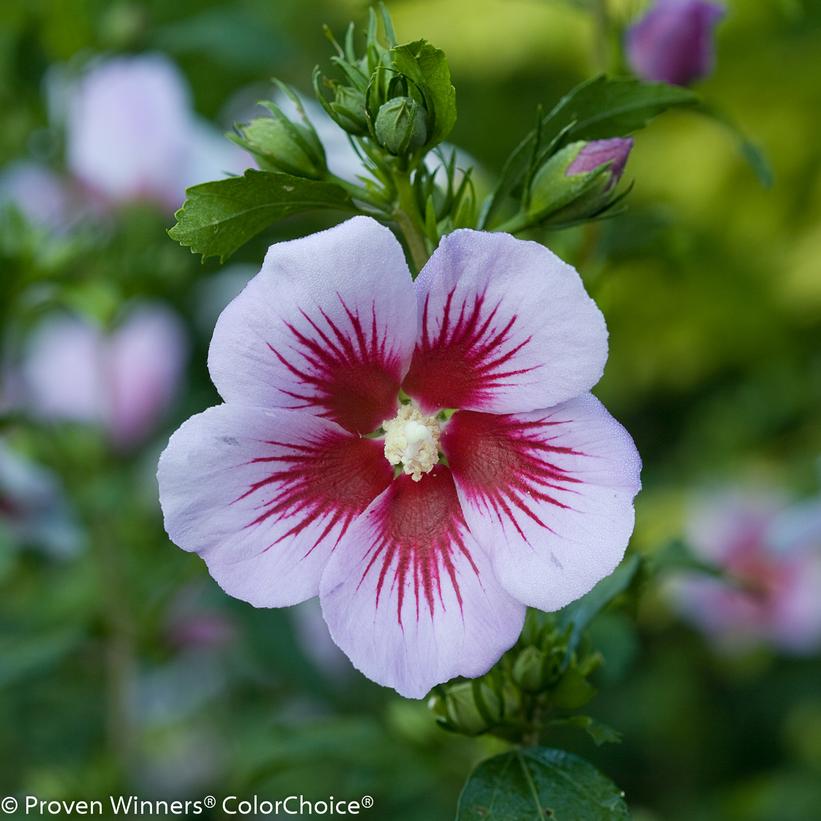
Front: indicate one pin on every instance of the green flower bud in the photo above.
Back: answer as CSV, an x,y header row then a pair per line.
x,y
472,707
529,669
577,182
401,125
282,145
535,670
348,110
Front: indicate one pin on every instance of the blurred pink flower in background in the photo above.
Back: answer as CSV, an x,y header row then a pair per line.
x,y
673,42
124,380
132,133
773,553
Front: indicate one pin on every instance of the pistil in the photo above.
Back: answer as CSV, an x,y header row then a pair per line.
x,y
412,441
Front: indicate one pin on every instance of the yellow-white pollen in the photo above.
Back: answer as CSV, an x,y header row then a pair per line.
x,y
412,440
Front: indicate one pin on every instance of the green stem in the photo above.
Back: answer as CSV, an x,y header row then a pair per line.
x,y
409,220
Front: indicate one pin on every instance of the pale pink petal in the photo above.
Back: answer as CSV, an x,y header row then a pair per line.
x,y
145,359
410,597
548,493
264,496
504,326
327,327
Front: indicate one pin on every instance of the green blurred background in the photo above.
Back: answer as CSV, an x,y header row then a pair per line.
x,y
711,286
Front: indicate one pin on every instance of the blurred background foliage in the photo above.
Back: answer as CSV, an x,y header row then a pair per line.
x,y
124,668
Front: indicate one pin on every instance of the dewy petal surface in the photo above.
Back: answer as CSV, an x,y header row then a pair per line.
x,y
409,595
327,327
504,326
549,493
265,496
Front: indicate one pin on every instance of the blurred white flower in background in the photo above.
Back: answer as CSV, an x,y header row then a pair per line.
x,y
132,134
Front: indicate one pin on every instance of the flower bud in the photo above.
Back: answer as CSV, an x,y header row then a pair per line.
x,y
282,145
598,153
577,182
401,125
534,669
673,42
471,715
348,110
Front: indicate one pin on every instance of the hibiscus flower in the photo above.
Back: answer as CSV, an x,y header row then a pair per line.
x,y
423,456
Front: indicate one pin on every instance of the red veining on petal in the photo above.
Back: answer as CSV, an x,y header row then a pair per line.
x,y
469,357
327,481
418,532
508,465
346,370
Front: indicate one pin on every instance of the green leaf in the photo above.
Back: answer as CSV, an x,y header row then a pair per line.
x,y
612,107
428,68
596,109
535,784
581,612
219,217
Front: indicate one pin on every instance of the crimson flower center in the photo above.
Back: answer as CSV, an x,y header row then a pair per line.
x,y
412,441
